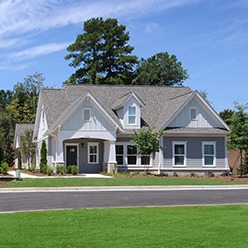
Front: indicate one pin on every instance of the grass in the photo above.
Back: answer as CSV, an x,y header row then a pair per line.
x,y
171,227
122,181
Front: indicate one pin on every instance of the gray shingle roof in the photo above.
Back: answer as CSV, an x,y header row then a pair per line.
x,y
159,102
188,130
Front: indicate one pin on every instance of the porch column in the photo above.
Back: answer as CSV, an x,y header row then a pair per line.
x,y
109,157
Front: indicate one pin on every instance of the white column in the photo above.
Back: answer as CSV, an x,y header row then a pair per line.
x,y
109,152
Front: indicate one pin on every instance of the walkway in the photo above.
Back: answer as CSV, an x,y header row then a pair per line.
x,y
25,175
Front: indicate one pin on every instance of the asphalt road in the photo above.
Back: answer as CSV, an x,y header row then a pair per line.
x,y
27,201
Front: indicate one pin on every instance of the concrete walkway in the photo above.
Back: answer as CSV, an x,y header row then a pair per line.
x,y
25,175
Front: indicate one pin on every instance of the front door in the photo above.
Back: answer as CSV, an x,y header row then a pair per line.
x,y
71,155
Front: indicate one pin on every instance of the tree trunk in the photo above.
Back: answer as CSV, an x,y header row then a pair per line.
x,y
241,163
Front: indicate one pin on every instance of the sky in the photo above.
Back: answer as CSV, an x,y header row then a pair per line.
x,y
209,37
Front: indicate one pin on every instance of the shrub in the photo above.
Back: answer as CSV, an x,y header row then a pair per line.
x,y
44,169
74,169
4,168
32,168
175,174
49,171
68,169
60,169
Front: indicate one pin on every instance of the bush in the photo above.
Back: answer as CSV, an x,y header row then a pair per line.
x,y
44,169
74,169
4,168
68,169
49,171
60,169
175,174
19,160
32,168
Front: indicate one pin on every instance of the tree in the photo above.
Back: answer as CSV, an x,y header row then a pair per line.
x,y
238,137
43,157
102,54
160,69
227,115
19,160
147,142
27,146
22,108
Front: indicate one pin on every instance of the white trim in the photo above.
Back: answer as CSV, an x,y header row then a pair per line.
x,y
125,156
203,154
97,152
184,155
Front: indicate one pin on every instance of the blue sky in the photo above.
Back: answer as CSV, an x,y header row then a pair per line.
x,y
210,38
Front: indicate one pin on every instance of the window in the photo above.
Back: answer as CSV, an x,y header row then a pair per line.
x,y
131,155
145,160
179,153
132,115
86,114
193,113
208,153
119,154
93,153
43,118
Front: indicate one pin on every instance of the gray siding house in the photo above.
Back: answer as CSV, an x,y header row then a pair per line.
x,y
92,126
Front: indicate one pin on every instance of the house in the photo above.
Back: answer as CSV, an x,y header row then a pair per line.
x,y
91,126
20,130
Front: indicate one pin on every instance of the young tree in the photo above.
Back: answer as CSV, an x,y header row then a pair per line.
x,y
160,69
102,54
238,137
147,142
43,157
27,146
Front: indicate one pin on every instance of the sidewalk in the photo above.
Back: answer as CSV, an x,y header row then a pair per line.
x,y
125,188
25,175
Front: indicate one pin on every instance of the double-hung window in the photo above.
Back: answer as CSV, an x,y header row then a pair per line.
x,y
179,153
132,115
208,149
93,153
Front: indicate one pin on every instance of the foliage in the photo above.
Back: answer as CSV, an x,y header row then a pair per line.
x,y
160,69
49,170
43,157
68,169
74,169
238,138
60,169
32,168
22,108
4,167
102,54
19,160
204,95
28,148
227,115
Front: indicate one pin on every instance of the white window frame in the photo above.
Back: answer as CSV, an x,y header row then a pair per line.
x,y
185,153
138,160
88,109
97,152
190,113
132,115
203,154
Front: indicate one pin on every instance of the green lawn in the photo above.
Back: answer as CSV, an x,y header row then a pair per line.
x,y
122,181
170,227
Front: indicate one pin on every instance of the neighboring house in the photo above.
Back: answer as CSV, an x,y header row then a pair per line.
x,y
91,126
20,130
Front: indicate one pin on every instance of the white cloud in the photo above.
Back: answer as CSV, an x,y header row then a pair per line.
x,y
150,27
38,51
23,16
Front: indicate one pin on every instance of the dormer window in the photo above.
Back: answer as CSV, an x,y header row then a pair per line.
x,y
132,115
